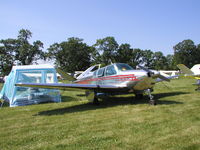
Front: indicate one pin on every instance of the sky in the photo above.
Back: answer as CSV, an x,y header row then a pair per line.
x,y
157,25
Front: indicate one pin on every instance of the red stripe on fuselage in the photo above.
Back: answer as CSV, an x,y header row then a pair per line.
x,y
130,77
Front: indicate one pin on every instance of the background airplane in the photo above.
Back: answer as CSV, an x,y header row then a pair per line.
x,y
194,72
118,78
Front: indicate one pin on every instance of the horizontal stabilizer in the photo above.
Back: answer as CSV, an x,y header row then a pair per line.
x,y
185,69
64,75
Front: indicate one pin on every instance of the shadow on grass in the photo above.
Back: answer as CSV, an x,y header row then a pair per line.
x,y
68,98
111,102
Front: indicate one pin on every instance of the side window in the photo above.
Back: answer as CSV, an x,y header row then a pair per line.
x,y
95,73
110,70
100,72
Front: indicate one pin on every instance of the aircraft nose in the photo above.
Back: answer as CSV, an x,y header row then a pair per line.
x,y
152,73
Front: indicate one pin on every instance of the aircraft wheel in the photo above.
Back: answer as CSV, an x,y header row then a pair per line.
x,y
197,89
95,101
152,102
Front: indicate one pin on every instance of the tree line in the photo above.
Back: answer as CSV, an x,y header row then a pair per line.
x,y
74,54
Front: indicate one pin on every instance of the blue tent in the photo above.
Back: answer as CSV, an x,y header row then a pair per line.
x,y
19,96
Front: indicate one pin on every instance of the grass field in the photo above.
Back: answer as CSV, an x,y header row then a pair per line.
x,y
173,124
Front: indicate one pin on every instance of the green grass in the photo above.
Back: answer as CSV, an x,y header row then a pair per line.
x,y
173,124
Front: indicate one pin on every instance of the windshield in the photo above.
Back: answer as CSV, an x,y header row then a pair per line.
x,y
123,67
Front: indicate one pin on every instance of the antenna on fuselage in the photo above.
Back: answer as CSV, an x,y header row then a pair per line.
x,y
99,66
111,62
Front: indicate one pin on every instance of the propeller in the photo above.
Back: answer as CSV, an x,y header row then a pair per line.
x,y
152,74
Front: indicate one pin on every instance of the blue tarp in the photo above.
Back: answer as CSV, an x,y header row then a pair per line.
x,y
19,96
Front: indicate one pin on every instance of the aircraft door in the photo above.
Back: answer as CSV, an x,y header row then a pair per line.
x,y
100,75
110,71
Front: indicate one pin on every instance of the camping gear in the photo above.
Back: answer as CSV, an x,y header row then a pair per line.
x,y
19,96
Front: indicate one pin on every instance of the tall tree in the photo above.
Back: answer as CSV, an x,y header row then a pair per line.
x,y
137,57
6,57
106,48
147,58
25,52
71,55
186,52
170,62
124,54
22,51
159,61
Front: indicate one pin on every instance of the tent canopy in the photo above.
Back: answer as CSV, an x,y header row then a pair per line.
x,y
19,96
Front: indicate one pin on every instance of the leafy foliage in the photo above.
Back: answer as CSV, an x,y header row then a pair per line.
x,y
6,56
186,52
124,53
71,55
159,61
74,54
106,49
26,53
19,51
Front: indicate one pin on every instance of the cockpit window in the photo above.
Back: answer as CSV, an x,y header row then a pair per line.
x,y
110,70
123,67
100,72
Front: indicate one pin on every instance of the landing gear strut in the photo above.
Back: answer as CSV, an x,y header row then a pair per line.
x,y
151,100
198,86
197,89
95,100
92,96
2,102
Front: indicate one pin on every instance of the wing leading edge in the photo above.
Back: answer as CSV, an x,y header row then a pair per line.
x,y
70,86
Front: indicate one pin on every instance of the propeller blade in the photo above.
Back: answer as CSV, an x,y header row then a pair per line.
x,y
163,78
145,69
154,75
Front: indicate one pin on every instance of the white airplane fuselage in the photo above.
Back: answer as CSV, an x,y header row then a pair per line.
x,y
119,76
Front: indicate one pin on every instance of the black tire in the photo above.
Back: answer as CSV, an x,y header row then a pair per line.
x,y
138,96
96,101
152,102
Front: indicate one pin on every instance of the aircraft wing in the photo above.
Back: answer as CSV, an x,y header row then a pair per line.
x,y
171,77
63,86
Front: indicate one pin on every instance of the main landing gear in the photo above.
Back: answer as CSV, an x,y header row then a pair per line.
x,y
95,100
92,97
151,100
198,86
138,96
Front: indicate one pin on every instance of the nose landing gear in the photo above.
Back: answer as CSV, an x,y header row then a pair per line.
x,y
92,96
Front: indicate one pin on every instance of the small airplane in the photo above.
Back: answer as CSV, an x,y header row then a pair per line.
x,y
117,78
194,72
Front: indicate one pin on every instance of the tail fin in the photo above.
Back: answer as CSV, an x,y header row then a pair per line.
x,y
185,69
65,75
